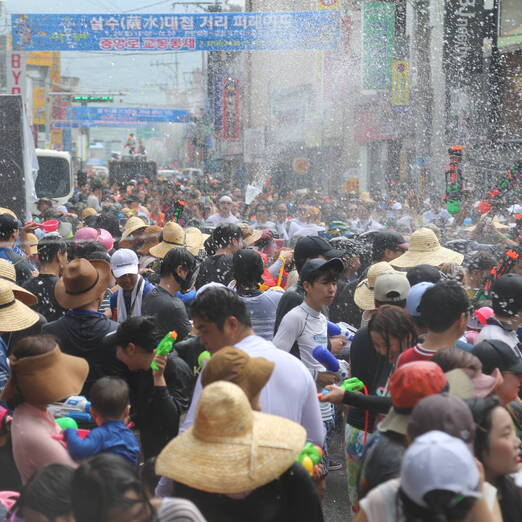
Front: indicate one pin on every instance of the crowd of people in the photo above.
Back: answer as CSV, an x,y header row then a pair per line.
x,y
285,318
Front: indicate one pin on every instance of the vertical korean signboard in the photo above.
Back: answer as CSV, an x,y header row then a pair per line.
x,y
231,110
400,84
378,30
16,73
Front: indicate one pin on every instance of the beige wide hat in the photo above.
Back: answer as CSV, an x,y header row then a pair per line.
x,y
133,223
230,448
32,241
8,275
14,315
250,236
425,249
7,211
173,237
364,296
195,240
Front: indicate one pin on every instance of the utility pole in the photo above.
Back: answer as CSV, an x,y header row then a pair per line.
x,y
423,89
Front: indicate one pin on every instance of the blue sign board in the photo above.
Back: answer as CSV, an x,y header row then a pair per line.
x,y
174,32
120,117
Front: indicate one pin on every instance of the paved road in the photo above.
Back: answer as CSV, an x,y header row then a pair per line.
x,y
335,504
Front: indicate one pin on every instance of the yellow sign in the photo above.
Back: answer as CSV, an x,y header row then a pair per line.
x,y
301,166
57,139
38,106
328,5
40,58
400,84
351,186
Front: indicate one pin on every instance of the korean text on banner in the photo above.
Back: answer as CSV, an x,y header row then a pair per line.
x,y
177,32
400,84
378,43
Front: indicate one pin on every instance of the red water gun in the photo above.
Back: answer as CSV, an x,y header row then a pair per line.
x,y
505,265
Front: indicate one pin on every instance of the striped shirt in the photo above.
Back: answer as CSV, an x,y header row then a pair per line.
x,y
179,510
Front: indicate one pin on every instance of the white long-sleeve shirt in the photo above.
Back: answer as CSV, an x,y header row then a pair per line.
x,y
290,392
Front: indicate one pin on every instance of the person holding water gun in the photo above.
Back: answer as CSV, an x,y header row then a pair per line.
x,y
160,382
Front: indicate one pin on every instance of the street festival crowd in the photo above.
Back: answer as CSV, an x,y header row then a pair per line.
x,y
169,353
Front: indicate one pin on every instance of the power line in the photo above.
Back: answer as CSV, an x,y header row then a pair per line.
x,y
146,6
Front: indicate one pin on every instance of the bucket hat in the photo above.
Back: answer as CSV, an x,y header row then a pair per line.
x,y
364,296
151,236
250,236
173,237
425,249
8,275
14,315
133,223
46,378
234,365
230,448
82,282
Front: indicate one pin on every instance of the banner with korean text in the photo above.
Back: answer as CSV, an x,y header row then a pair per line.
x,y
172,32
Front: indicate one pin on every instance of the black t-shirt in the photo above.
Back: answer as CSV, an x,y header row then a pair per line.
x,y
372,369
169,310
290,498
215,269
42,287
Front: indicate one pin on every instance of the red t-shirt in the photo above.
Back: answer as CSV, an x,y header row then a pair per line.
x,y
416,353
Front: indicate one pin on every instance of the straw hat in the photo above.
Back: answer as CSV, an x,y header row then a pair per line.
x,y
7,211
195,240
151,236
495,222
133,223
87,212
250,236
364,296
82,282
14,315
230,448
173,237
425,249
32,241
8,274
46,378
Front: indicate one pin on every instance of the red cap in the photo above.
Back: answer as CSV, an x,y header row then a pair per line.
x,y
413,381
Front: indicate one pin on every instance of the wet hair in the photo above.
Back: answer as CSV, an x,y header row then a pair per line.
x,y
481,261
49,247
99,485
453,272
109,397
91,250
455,358
223,235
330,276
247,267
422,273
391,321
47,492
443,506
216,304
34,345
177,257
442,305
140,330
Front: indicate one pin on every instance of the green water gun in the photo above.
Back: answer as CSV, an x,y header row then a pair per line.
x,y
310,457
353,385
164,347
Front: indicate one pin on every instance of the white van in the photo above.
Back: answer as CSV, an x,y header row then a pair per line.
x,y
55,177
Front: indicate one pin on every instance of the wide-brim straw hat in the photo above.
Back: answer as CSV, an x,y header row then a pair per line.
x,y
173,237
82,282
194,240
231,449
46,378
32,241
495,222
14,315
8,275
364,295
425,249
151,237
250,236
87,212
7,211
133,223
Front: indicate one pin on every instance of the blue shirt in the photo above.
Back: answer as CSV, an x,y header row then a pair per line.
x,y
112,437
4,367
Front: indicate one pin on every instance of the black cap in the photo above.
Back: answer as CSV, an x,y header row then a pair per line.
x,y
350,247
506,294
312,267
497,354
8,224
423,274
391,239
312,246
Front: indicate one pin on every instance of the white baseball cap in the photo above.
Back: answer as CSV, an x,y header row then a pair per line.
x,y
225,199
124,261
435,461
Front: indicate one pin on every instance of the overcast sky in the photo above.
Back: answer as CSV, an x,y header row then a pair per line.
x,y
110,72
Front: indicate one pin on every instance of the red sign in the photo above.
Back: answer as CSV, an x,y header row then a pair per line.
x,y
15,72
231,110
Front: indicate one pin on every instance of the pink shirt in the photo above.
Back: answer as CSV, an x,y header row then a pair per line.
x,y
33,446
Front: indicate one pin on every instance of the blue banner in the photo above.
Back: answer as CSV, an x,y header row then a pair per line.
x,y
173,32
120,117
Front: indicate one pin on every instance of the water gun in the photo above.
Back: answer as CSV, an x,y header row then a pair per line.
x,y
76,407
352,385
310,457
179,207
338,329
494,197
165,347
454,181
203,358
330,362
505,265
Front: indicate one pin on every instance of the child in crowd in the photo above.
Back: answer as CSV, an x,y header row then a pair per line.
x,y
110,408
